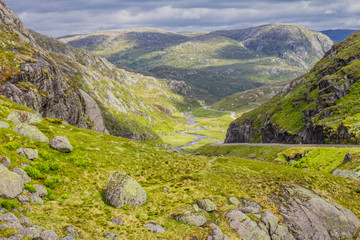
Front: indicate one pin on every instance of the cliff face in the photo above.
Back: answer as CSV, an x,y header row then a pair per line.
x,y
85,90
319,107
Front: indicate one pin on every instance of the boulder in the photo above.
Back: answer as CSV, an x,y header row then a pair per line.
x,y
32,232
5,161
31,132
61,144
25,177
25,222
23,199
245,227
347,157
68,237
249,206
270,221
309,216
11,184
34,198
40,190
71,230
216,233
234,201
206,205
28,153
154,227
4,125
192,219
123,190
18,117
49,235
8,217
347,174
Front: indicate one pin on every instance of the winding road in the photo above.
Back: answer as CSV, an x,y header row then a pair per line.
x,y
286,145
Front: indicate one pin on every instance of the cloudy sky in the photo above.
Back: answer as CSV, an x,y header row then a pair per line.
x,y
63,17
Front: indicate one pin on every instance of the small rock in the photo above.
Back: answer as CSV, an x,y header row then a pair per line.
x,y
234,201
192,219
216,233
154,227
123,190
28,153
24,165
5,161
25,222
111,236
18,117
72,231
206,205
33,231
11,184
117,221
249,206
32,132
23,199
347,158
15,237
40,190
34,198
22,174
49,235
68,237
61,144
166,190
4,125
346,174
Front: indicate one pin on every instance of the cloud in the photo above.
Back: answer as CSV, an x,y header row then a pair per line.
x,y
64,17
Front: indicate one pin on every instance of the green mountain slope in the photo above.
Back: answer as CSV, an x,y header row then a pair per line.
x,y
321,106
76,184
216,64
85,90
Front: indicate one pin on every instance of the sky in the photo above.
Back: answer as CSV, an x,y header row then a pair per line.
x,y
65,17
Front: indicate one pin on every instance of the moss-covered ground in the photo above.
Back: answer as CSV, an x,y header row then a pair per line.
x,y
77,195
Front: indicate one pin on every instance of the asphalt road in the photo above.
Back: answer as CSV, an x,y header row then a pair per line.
x,y
286,145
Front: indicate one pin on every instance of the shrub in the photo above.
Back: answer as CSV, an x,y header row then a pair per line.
x,y
34,173
80,162
31,188
54,120
12,145
54,166
43,167
65,196
8,204
51,182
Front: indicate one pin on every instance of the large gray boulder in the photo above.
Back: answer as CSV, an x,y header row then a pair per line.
x,y
48,235
216,233
18,117
28,153
123,190
61,144
5,161
31,132
347,174
310,216
155,227
11,184
191,219
22,174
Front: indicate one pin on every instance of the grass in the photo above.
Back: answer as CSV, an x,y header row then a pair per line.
x,y
78,196
177,139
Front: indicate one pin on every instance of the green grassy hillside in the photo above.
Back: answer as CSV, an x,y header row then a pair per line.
x,y
215,64
77,197
318,107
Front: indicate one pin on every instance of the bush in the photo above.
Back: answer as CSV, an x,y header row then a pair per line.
x,y
51,182
8,204
12,145
65,196
80,162
54,166
43,167
34,173
31,188
54,120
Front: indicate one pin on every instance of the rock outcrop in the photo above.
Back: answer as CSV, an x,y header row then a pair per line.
x,y
123,190
347,174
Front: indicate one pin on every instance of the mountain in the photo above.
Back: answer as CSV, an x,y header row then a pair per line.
x,y
250,99
216,64
321,106
338,35
85,90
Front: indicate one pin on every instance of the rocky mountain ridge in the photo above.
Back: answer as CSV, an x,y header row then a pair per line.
x,y
215,64
318,107
83,89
